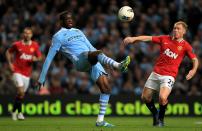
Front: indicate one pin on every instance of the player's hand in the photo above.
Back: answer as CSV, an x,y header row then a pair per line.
x,y
39,86
190,74
128,40
34,59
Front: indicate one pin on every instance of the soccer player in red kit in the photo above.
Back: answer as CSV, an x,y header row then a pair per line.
x,y
20,57
173,48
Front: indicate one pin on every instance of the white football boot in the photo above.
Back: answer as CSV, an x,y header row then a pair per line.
x,y
14,116
20,116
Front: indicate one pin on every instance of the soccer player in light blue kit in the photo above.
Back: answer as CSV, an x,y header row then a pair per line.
x,y
73,44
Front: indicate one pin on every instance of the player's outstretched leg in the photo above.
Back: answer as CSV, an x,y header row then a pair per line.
x,y
123,66
93,56
102,83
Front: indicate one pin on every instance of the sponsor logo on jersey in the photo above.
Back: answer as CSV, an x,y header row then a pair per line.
x,y
74,37
25,56
170,54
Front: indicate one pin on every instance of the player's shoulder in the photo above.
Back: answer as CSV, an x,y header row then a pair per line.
x,y
161,37
187,44
63,32
35,43
60,33
19,42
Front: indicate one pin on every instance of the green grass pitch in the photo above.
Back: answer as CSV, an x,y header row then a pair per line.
x,y
88,124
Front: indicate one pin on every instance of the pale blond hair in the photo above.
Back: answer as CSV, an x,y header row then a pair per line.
x,y
182,23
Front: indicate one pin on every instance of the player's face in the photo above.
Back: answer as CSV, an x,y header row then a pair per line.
x,y
27,34
178,31
69,20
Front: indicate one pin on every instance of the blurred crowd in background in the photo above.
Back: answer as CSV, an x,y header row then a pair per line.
x,y
98,20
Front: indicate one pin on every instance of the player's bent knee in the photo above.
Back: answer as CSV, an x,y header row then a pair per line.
x,y
163,100
146,98
92,58
106,89
21,94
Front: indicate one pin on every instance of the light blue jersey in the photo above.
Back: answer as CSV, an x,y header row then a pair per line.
x,y
74,45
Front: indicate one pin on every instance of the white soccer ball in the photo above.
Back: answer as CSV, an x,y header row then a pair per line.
x,y
126,13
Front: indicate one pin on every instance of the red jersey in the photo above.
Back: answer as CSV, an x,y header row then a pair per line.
x,y
23,56
172,53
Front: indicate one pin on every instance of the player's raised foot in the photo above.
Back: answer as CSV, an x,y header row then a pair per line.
x,y
14,116
161,123
103,124
92,56
20,116
124,64
156,119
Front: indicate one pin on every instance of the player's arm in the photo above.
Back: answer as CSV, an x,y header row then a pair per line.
x,y
38,55
9,56
192,72
190,53
51,54
35,58
133,40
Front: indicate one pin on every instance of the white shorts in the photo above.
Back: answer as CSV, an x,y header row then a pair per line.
x,y
21,81
156,81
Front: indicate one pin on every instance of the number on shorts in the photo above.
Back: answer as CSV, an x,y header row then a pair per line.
x,y
170,83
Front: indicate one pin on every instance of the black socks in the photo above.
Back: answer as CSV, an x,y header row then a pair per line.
x,y
17,104
152,107
162,111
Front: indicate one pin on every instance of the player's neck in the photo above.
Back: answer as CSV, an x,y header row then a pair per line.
x,y
27,42
178,39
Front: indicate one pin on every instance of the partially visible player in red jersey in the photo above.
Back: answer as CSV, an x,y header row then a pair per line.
x,y
20,57
173,48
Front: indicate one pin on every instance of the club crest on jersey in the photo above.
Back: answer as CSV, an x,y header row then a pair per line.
x,y
170,54
31,49
25,56
179,48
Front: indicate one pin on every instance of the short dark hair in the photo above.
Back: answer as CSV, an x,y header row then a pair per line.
x,y
62,15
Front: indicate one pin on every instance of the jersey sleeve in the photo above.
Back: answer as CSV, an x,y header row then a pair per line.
x,y
56,44
38,52
13,48
157,39
190,52
51,54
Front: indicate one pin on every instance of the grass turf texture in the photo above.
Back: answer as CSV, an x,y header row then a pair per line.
x,y
88,124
